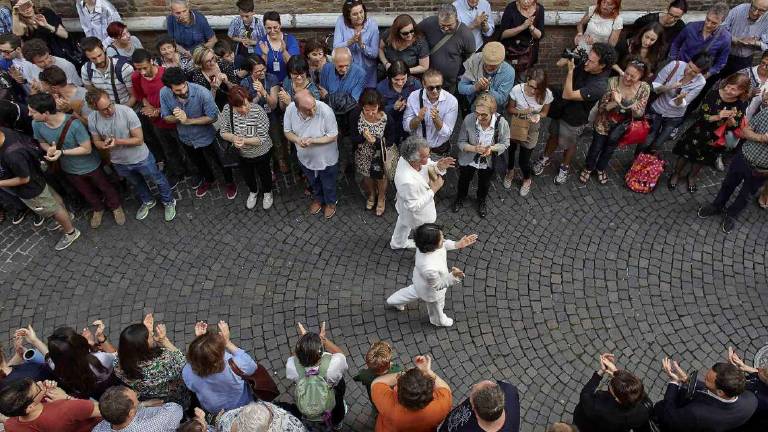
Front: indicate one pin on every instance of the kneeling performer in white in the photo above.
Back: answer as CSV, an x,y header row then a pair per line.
x,y
417,180
431,277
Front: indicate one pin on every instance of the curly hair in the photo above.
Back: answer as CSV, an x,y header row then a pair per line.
x,y
379,357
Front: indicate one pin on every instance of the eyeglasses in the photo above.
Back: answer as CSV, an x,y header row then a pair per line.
x,y
754,8
7,51
532,87
210,60
407,33
108,108
638,63
674,17
434,87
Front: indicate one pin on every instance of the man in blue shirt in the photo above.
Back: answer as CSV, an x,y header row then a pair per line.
x,y
342,76
188,28
192,108
707,36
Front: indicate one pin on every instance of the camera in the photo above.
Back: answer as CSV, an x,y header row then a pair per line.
x,y
578,55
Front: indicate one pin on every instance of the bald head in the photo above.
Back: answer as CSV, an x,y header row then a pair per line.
x,y
305,103
342,58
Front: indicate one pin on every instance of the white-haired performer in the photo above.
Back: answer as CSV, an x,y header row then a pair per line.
x,y
417,180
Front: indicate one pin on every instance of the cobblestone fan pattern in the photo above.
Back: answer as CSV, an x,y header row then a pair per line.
x,y
554,280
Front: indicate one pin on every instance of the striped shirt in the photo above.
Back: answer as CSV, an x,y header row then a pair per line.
x,y
103,80
253,124
756,153
740,26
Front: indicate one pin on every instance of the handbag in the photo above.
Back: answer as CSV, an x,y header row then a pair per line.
x,y
260,382
636,132
389,156
518,128
728,139
619,128
228,154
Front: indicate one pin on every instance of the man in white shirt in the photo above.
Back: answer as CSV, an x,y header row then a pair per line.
x,y
431,276
311,126
431,113
417,179
95,16
477,15
39,57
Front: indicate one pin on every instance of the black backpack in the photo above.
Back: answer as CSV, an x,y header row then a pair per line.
x,y
115,68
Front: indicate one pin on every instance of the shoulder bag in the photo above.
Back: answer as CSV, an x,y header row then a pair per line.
x,y
260,382
225,150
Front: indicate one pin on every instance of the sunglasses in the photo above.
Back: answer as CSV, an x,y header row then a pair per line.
x,y
406,33
434,88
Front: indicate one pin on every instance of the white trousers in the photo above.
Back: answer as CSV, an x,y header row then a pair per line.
x,y
400,238
408,295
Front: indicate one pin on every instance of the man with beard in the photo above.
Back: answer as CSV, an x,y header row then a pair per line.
x,y
111,74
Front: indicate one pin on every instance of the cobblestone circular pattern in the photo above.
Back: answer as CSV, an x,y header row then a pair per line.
x,y
555,279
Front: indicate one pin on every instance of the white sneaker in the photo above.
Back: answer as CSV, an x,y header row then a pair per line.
x,y
525,189
507,181
562,176
253,198
539,165
719,164
268,200
446,323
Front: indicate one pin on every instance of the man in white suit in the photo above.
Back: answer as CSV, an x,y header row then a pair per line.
x,y
417,180
431,277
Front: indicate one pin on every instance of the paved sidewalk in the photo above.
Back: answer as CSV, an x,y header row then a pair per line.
x,y
555,279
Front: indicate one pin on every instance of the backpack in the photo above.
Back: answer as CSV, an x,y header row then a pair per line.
x,y
113,67
645,173
314,396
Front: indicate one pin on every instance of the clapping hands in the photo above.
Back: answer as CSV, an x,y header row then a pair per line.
x,y
674,371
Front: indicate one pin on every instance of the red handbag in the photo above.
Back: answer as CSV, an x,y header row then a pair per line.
x,y
636,133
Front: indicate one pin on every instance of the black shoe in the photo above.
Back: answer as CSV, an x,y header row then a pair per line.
x,y
457,205
708,210
481,209
19,217
38,220
728,224
173,182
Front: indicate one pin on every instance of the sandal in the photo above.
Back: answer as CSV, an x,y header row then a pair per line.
x,y
763,205
672,185
380,207
584,176
692,188
602,177
371,201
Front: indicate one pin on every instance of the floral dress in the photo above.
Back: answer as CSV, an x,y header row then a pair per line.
x,y
368,157
606,120
161,378
696,145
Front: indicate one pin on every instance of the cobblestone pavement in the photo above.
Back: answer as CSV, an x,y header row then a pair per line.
x,y
554,280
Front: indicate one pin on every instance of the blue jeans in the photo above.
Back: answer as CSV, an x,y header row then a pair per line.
x,y
323,183
600,152
661,129
137,175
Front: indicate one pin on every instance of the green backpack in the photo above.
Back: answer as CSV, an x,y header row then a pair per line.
x,y
314,396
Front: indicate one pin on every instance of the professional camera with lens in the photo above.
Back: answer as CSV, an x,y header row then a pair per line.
x,y
578,55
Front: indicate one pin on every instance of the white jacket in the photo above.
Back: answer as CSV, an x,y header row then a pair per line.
x,y
431,275
415,200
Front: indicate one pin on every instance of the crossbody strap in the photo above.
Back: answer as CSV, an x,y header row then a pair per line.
x,y
64,132
423,122
671,74
112,79
441,42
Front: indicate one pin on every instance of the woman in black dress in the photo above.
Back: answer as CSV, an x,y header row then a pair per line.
x,y
522,27
213,73
724,104
33,22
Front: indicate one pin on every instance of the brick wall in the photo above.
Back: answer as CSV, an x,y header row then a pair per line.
x,y
226,7
556,37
